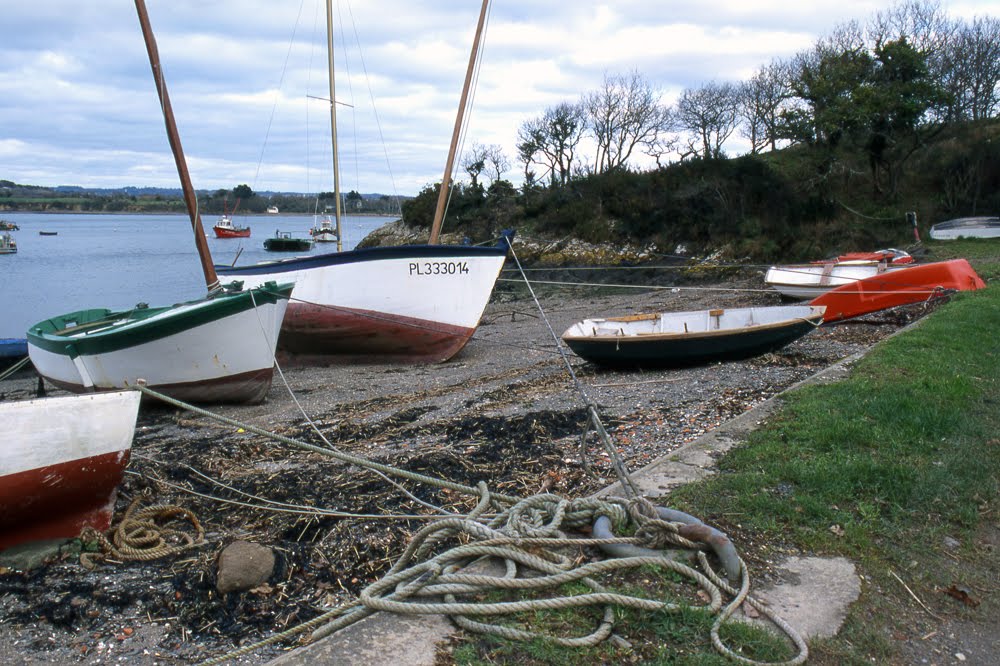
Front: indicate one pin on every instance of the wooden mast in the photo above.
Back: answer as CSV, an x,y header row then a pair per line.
x,y
333,119
446,179
190,200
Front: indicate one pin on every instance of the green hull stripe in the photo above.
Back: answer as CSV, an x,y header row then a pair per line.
x,y
53,335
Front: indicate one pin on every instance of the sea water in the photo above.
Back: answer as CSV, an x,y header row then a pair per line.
x,y
117,261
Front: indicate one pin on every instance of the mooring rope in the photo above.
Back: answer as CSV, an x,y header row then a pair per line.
x,y
144,534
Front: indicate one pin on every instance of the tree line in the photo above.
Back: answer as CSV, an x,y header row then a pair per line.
x,y
899,114
882,87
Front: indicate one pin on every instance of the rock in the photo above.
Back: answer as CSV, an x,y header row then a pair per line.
x,y
243,566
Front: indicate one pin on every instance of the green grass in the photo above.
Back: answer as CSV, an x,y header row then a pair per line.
x,y
900,455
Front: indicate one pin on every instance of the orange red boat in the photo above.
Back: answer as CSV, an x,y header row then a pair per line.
x,y
920,282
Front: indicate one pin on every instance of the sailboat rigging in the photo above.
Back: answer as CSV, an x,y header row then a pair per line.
x,y
413,303
216,349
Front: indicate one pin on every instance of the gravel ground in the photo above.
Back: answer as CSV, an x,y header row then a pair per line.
x,y
504,410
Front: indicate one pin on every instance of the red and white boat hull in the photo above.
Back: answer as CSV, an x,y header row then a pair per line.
x,y
61,461
405,303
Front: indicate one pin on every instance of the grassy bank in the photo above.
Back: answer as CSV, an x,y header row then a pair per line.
x,y
895,468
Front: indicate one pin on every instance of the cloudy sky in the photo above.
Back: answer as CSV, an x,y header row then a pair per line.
x,y
78,106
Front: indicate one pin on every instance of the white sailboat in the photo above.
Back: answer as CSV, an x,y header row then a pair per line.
x,y
416,303
216,349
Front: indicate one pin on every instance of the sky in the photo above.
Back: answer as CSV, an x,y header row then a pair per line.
x,y
248,85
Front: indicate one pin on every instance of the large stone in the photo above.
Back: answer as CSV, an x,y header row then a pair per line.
x,y
243,566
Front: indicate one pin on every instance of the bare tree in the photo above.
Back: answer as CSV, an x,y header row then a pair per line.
x,y
709,115
497,163
550,142
971,66
623,115
760,102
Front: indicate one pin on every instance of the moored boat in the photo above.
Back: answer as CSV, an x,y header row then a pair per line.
x,y
967,227
216,349
410,303
687,338
13,348
224,228
7,244
324,231
213,350
61,461
805,281
890,289
282,241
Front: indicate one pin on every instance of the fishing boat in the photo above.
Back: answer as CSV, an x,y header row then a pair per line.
x,y
410,303
671,339
922,282
967,227
324,231
805,281
7,243
284,242
216,349
61,461
225,228
8,226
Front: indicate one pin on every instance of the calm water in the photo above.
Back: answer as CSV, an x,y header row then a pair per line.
x,y
116,261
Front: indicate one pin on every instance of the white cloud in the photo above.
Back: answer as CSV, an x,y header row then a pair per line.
x,y
77,103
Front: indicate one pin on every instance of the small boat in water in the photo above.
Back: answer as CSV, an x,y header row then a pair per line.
x,y
325,231
48,233
8,226
687,338
891,289
225,228
61,461
7,243
284,242
967,227
804,281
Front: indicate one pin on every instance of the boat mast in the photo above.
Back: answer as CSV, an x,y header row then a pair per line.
x,y
211,279
446,179
333,119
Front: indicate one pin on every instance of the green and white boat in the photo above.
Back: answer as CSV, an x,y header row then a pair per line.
x,y
216,349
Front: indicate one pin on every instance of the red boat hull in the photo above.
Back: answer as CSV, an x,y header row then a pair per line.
x,y
57,501
238,232
894,288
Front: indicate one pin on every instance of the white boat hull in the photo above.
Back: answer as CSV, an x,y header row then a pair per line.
x,y
413,303
230,359
807,281
61,460
967,227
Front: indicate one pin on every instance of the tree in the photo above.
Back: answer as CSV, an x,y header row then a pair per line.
x,y
550,142
971,70
709,116
760,102
623,115
243,192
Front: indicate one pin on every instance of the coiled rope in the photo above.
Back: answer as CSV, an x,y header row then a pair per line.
x,y
144,534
